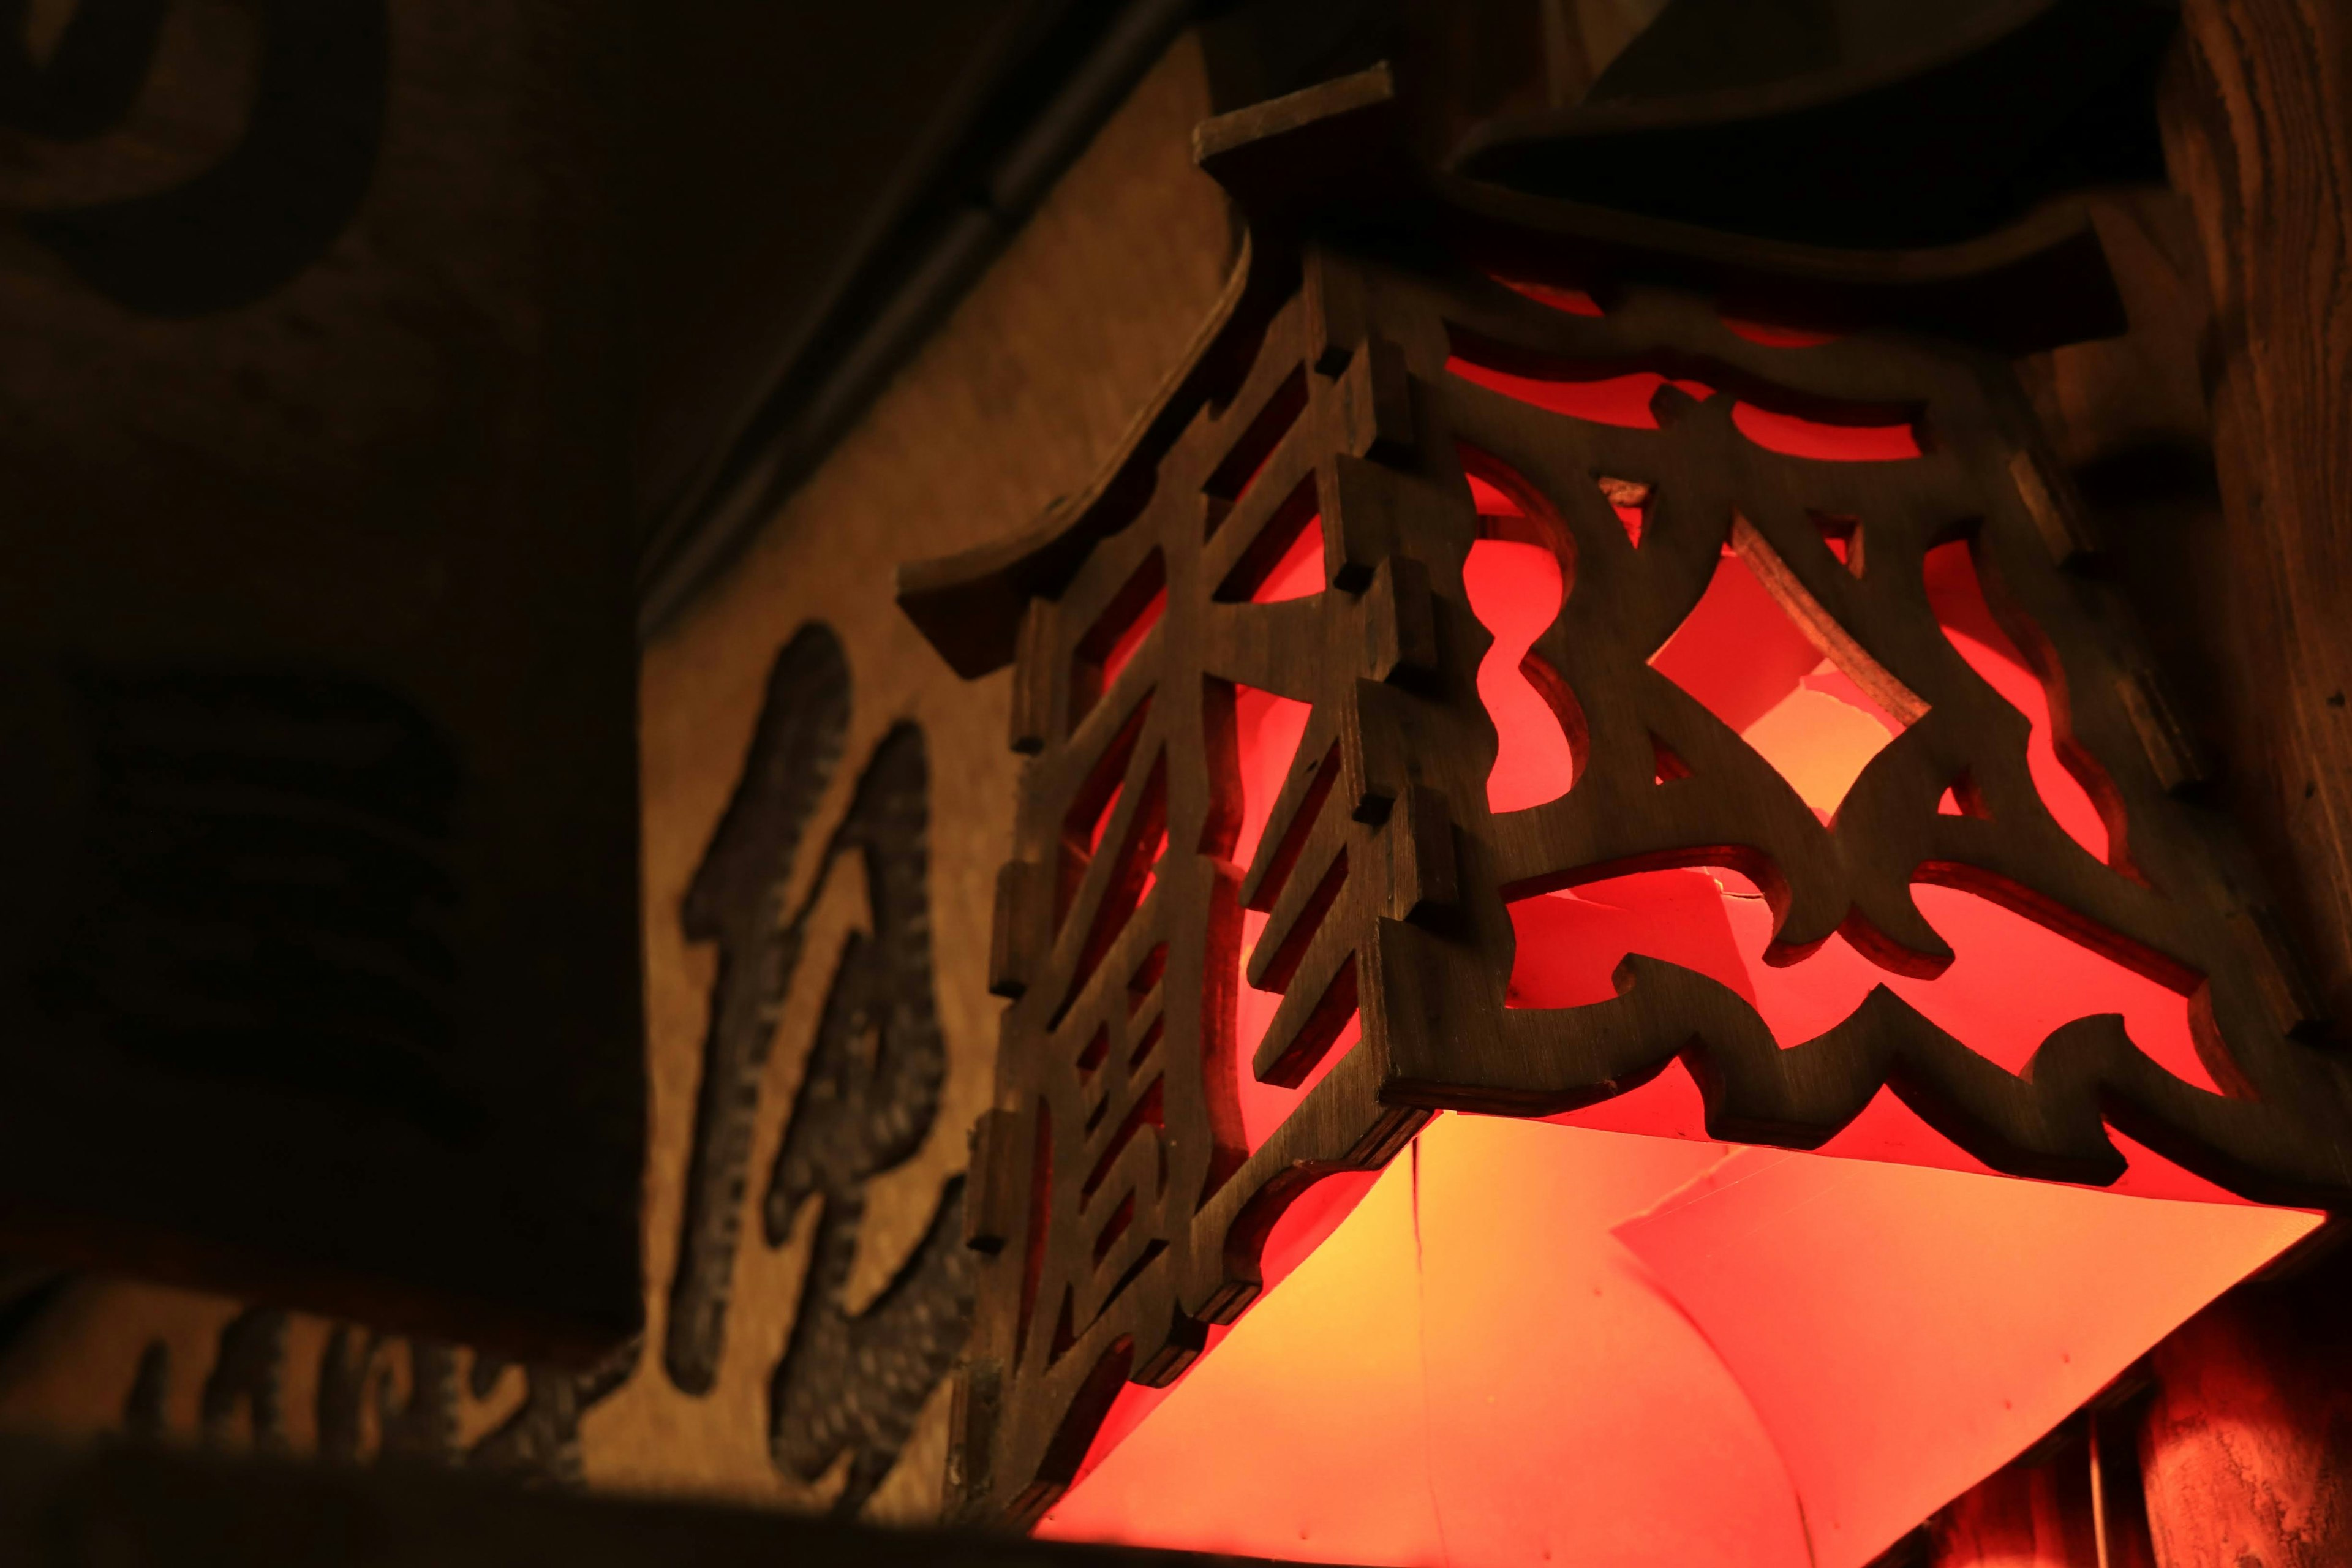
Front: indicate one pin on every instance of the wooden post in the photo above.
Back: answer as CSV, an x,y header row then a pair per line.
x,y
2237,293
2258,128
2021,1516
2245,1455
2073,1503
2247,1450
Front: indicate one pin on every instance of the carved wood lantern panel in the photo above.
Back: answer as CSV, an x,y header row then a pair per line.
x,y
1503,677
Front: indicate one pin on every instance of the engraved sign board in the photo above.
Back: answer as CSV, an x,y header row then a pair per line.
x,y
823,815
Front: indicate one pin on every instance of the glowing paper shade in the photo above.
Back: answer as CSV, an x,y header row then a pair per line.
x,y
1903,1332
1653,1352
1440,1352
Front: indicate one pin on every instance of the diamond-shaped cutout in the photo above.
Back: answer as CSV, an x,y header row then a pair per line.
x,y
1749,661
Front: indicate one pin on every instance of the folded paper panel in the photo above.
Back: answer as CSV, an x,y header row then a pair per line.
x,y
1903,1332
1531,1343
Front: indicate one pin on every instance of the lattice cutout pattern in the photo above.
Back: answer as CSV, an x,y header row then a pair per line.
x,y
1398,797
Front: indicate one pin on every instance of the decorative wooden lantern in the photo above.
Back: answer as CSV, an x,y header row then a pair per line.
x,y
1488,564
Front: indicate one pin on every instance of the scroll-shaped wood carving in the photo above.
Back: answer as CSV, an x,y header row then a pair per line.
x,y
1291,528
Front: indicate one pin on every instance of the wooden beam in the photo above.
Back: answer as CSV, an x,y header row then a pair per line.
x,y
138,1507
2258,128
2243,1452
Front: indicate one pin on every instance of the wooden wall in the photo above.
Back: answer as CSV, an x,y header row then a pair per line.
x,y
2245,1449
320,781
2217,435
2214,443
2259,132
1013,402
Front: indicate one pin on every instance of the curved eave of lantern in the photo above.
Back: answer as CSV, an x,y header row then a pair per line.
x,y
1330,164
1942,123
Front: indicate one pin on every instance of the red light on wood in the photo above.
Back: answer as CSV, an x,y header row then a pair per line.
x,y
1625,718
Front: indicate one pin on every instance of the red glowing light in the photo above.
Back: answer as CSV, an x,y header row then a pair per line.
x,y
1773,335
1122,651
1529,1342
1619,400
1574,302
1516,590
1801,438
1298,570
1268,730
1958,598
1626,400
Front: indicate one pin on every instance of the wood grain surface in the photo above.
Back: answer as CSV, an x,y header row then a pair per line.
x,y
2246,1450
2024,1515
2215,440
2259,133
